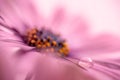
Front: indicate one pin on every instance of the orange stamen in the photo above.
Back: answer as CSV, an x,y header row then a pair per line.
x,y
33,41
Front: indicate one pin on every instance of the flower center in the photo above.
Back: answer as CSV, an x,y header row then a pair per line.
x,y
44,39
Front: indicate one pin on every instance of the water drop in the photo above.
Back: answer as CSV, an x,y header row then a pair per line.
x,y
86,62
83,63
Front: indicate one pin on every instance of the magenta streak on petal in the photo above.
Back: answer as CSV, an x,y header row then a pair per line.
x,y
12,30
20,15
109,70
13,37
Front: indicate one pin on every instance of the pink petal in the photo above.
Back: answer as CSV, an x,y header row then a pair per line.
x,y
56,69
21,64
30,64
95,34
6,71
20,14
83,33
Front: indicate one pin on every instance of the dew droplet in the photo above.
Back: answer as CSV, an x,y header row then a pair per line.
x,y
86,62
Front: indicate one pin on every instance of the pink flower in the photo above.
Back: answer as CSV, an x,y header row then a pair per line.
x,y
94,51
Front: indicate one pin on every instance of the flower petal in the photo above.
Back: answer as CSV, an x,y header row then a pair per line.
x,y
19,14
21,62
6,73
54,69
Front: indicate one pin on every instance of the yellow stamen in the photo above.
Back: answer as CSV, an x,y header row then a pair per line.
x,y
33,41
60,50
54,43
47,44
35,36
43,46
38,42
64,44
64,51
38,46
